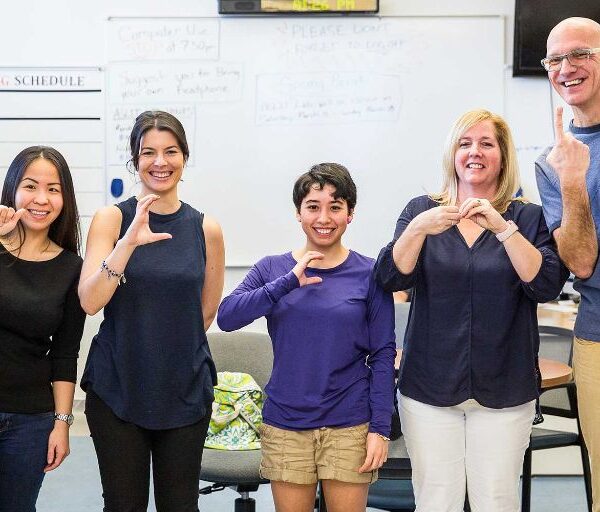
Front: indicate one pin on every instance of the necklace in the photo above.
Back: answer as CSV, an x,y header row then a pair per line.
x,y
15,249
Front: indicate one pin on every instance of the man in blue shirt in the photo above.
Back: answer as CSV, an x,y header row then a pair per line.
x,y
568,177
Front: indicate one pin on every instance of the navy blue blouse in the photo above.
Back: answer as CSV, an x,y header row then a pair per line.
x,y
472,329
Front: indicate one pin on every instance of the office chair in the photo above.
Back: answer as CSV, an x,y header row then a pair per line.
x,y
556,343
251,353
401,310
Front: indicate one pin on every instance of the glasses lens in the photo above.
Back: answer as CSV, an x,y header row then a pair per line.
x,y
578,55
575,58
552,63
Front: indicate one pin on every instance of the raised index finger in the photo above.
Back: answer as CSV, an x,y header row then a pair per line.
x,y
559,134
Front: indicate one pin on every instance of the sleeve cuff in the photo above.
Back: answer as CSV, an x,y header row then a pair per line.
x,y
380,429
282,286
64,370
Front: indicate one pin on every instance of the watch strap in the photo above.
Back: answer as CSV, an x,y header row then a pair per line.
x,y
67,418
510,230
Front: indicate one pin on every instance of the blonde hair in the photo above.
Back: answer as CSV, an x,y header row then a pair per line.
x,y
508,179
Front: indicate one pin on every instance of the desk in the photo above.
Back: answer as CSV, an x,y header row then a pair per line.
x,y
557,315
554,373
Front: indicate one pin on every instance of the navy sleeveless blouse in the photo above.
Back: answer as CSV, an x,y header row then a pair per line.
x,y
150,361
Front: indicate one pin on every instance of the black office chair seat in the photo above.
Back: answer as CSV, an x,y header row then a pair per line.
x,y
542,438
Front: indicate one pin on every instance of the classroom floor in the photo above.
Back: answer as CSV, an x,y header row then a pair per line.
x,y
75,487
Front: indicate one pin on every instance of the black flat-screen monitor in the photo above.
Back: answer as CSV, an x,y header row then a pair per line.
x,y
533,21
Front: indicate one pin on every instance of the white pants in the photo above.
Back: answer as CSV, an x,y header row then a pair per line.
x,y
468,444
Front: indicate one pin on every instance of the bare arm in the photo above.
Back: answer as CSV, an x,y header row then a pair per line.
x,y
525,258
215,270
407,249
431,222
58,441
576,238
96,287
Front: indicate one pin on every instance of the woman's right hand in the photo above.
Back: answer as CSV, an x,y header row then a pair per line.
x,y
9,218
300,267
139,232
436,220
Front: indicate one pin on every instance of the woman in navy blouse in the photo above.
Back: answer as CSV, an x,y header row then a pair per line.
x,y
478,261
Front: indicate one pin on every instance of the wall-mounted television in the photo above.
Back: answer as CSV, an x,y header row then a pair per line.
x,y
533,21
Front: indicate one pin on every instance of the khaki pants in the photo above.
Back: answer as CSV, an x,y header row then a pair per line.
x,y
586,365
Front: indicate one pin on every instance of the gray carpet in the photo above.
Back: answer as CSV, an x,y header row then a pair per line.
x,y
75,487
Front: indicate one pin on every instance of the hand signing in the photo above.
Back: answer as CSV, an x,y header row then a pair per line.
x,y
569,157
483,214
300,267
437,220
9,218
139,232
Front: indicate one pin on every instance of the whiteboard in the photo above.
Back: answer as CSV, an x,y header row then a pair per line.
x,y
58,107
263,99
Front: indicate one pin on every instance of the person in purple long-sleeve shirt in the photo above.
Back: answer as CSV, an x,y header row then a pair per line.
x,y
330,396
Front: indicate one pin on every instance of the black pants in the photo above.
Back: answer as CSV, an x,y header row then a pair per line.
x,y
124,451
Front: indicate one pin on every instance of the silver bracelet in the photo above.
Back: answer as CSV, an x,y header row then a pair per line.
x,y
111,273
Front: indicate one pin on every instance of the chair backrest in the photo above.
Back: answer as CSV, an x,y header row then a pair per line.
x,y
401,310
243,351
557,343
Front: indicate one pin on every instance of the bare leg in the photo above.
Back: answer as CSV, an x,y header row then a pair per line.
x,y
344,496
290,497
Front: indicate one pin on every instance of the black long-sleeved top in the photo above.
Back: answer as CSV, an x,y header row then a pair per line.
x,y
41,323
472,329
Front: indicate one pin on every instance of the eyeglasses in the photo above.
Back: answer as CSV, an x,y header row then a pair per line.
x,y
575,57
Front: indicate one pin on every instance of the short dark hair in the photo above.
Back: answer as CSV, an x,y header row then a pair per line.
x,y
161,121
323,174
64,231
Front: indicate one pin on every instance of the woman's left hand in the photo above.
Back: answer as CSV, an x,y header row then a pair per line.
x,y
58,446
377,451
483,214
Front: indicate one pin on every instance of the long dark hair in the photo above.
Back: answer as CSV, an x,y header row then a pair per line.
x,y
64,231
162,121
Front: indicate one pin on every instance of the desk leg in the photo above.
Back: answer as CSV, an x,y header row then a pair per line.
x,y
321,506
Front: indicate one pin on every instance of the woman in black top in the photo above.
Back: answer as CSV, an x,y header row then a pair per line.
x,y
41,322
156,266
478,261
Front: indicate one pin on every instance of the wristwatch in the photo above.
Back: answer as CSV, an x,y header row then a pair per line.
x,y
67,418
510,230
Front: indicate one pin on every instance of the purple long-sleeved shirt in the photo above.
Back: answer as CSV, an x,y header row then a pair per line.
x,y
333,342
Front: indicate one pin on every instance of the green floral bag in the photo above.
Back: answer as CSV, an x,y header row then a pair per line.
x,y
236,413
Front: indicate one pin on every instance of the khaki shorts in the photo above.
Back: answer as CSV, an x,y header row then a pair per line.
x,y
306,456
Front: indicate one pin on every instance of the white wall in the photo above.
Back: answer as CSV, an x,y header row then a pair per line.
x,y
72,33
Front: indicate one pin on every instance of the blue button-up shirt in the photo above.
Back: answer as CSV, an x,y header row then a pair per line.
x,y
472,329
587,325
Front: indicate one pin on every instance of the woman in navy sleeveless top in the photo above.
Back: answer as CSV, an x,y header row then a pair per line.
x,y
156,266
